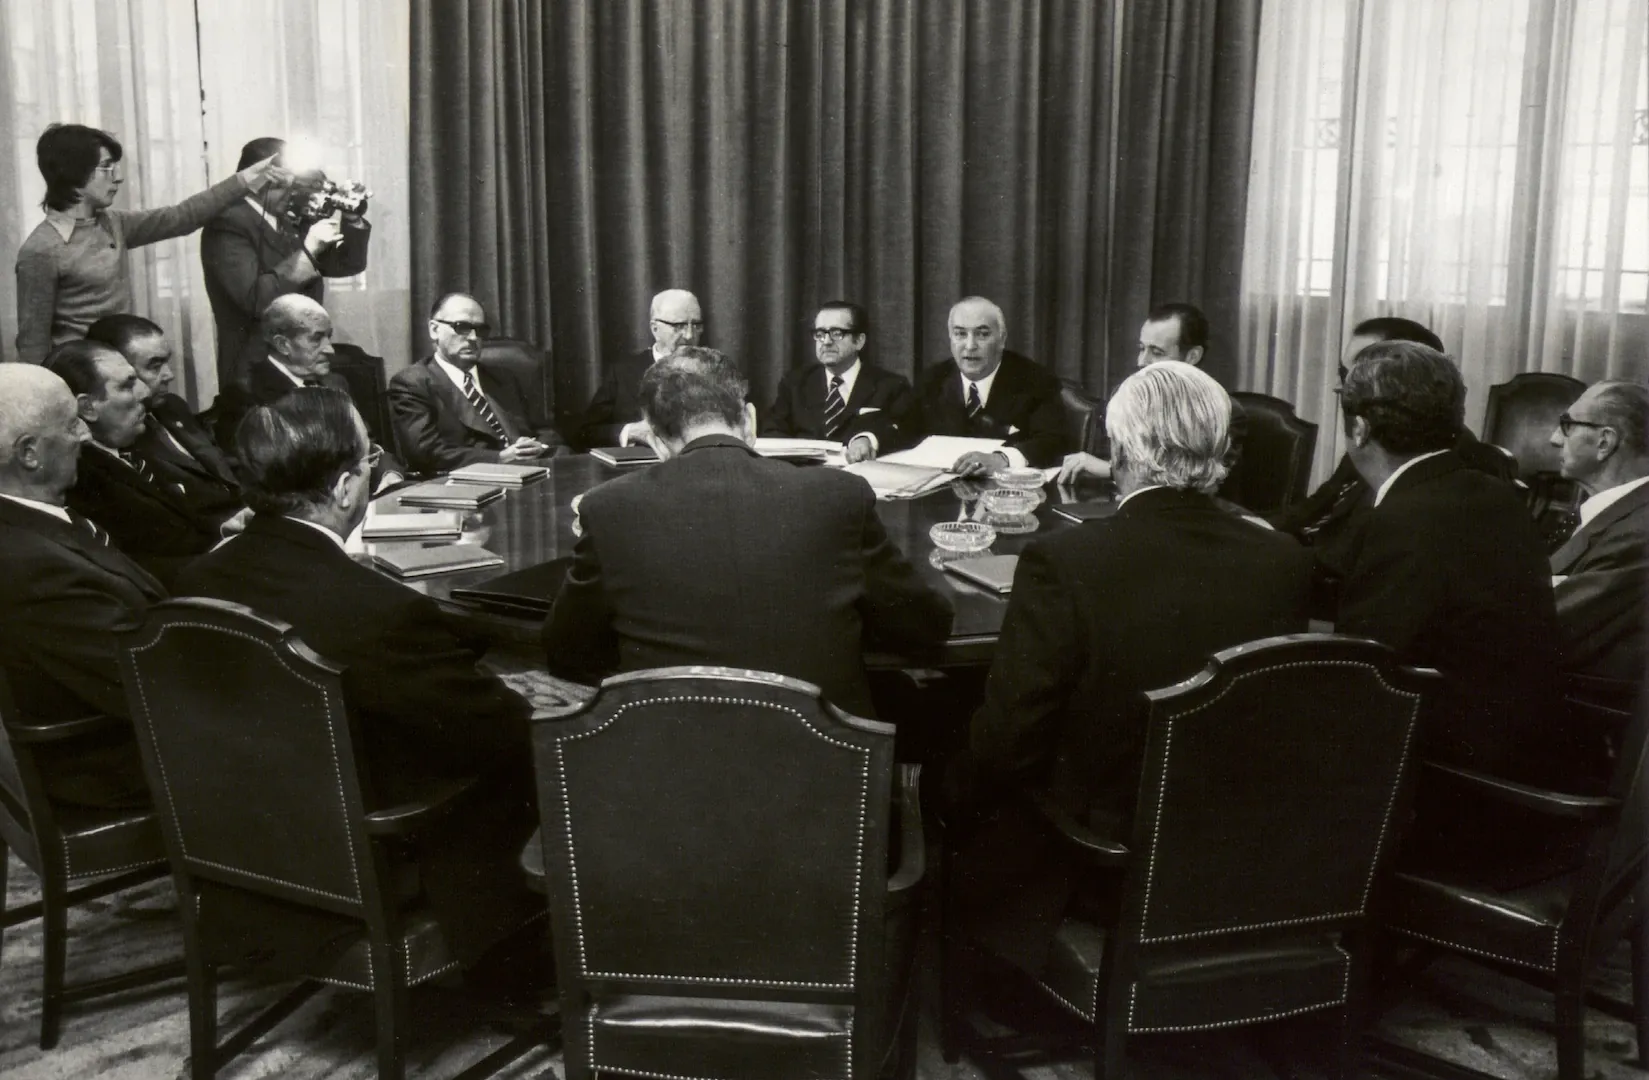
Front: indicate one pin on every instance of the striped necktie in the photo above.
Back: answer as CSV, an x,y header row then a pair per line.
x,y
835,407
86,524
483,406
974,404
136,463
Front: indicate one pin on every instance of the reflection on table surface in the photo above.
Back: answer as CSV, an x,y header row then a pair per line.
x,y
534,524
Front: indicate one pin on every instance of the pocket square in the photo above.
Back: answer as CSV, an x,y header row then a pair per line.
x,y
868,409
1012,430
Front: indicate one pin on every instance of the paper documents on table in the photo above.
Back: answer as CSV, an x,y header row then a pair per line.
x,y
891,480
941,451
824,450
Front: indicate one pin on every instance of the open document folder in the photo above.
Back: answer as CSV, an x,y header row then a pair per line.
x,y
891,480
941,451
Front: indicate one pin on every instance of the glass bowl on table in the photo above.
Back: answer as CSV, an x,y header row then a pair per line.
x,y
1018,479
959,540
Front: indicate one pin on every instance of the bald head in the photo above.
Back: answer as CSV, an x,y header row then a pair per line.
x,y
288,313
298,332
40,434
676,320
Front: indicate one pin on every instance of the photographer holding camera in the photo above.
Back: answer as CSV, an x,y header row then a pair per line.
x,y
287,239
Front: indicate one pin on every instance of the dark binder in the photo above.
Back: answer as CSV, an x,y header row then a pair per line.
x,y
525,593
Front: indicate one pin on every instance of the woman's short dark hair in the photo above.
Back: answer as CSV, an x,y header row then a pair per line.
x,y
68,154
293,450
691,386
1411,395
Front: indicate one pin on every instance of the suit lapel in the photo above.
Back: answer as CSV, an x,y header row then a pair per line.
x,y
456,401
77,540
118,472
1570,553
488,382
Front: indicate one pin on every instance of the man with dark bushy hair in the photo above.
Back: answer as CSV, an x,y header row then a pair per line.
x,y
1450,571
426,712
719,556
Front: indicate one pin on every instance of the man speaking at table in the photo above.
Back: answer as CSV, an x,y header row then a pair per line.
x,y
719,556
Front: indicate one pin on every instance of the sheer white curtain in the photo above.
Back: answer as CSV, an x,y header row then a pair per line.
x,y
1479,165
183,85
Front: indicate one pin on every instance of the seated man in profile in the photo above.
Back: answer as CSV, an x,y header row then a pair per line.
x,y
842,398
148,516
425,710
719,556
450,410
63,590
177,446
1601,574
613,417
986,391
1450,571
1099,612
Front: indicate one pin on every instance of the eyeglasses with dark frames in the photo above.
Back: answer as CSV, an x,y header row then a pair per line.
x,y
1567,423
822,334
696,324
464,328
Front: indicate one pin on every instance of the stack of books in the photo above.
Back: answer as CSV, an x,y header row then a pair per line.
x,y
447,495
438,526
500,473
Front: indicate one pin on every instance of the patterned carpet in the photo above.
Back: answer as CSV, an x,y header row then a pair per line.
x,y
1456,1011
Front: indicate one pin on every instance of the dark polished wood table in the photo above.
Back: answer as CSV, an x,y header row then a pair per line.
x,y
534,524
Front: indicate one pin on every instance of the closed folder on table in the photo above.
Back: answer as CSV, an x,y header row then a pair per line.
x,y
450,496
499,472
528,593
625,455
448,525
993,572
410,561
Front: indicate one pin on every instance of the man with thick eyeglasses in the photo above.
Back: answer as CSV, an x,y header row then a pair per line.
x,y
841,398
986,390
613,417
1601,574
452,410
1450,571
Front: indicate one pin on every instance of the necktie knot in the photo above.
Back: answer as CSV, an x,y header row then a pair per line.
x,y
90,527
835,407
974,404
135,462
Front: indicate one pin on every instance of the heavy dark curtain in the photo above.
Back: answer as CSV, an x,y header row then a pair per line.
x,y
571,158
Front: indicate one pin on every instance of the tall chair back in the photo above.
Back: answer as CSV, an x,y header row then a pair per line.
x,y
368,388
1084,419
250,751
715,834
526,363
1521,414
1276,455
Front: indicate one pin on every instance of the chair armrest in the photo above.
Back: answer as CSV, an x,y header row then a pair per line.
x,y
912,845
1558,804
1099,851
409,817
58,730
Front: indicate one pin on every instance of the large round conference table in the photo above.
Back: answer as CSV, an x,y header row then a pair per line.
x,y
533,525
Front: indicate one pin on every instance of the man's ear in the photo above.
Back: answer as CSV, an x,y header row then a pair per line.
x,y
1193,356
1357,431
750,422
1608,441
86,406
27,451
342,497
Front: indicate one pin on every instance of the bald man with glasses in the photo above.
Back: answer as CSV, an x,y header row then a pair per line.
x,y
613,417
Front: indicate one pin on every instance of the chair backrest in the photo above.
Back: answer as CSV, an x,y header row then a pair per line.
x,y
1270,790
22,792
709,830
1522,413
526,360
1276,455
1084,419
250,754
368,387
1621,846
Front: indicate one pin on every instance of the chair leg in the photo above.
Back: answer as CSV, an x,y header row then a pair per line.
x,y
203,1016
1640,983
389,993
54,921
950,968
1571,1045
1111,1047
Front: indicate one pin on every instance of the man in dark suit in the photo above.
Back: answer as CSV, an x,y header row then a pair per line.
x,y
147,515
1098,613
450,410
1601,575
252,253
425,711
613,417
841,398
987,392
719,556
1449,570
63,590
177,446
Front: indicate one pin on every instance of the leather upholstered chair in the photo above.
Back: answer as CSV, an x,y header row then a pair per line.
x,y
368,388
715,844
103,850
1272,789
1084,419
1521,414
1554,925
1276,455
251,754
527,364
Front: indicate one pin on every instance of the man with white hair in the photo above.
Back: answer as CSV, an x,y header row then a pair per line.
x,y
63,590
987,391
613,417
1098,613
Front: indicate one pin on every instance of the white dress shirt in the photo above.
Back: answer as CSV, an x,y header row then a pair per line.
x,y
297,380
455,373
322,529
1015,458
1600,502
57,512
849,378
1399,471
